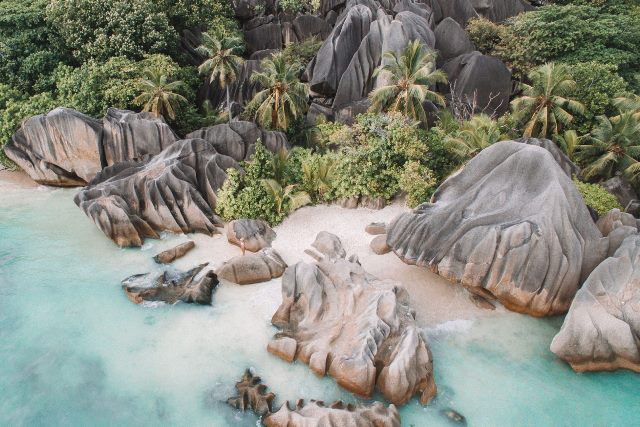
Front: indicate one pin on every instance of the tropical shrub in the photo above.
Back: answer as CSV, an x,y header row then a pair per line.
x,y
485,34
475,135
597,197
418,182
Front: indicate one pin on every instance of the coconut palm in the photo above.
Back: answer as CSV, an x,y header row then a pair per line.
x,y
212,116
223,60
568,142
545,105
410,76
281,195
613,146
319,175
283,98
159,95
629,102
476,134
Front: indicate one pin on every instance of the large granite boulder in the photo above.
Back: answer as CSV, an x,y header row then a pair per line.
x,y
261,266
307,26
58,148
252,234
134,136
561,159
268,36
459,10
344,322
480,81
174,191
603,325
622,189
171,286
511,223
451,40
500,10
238,139
316,414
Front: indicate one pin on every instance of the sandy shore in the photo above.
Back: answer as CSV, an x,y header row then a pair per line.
x,y
15,179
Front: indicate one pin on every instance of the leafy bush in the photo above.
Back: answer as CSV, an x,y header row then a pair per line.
x,y
485,34
597,197
418,182
302,52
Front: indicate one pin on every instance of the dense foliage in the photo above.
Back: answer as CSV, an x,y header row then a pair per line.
x,y
597,197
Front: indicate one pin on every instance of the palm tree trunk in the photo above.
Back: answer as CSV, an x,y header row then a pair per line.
x,y
228,106
274,112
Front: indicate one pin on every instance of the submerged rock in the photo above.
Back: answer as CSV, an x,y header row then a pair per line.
x,y
316,414
58,148
170,255
174,191
512,223
252,395
602,327
172,286
253,234
259,267
346,323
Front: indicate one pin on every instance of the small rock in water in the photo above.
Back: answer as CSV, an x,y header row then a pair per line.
x,y
170,255
481,302
252,395
454,415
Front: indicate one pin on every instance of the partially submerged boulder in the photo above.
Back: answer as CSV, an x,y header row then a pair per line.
x,y
338,414
170,255
603,325
174,191
172,286
346,323
247,269
252,395
252,234
58,148
512,223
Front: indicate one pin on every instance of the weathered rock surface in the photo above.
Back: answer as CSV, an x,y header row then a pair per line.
x,y
602,329
268,36
172,286
307,26
459,10
252,395
344,322
134,136
170,255
620,188
376,228
257,267
451,40
561,159
255,234
316,414
479,80
174,191
500,10
238,139
512,223
58,148
379,245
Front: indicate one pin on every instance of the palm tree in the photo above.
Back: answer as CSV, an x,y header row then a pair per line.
x,y
476,134
222,63
320,175
410,76
159,95
545,105
283,98
629,102
212,116
281,195
613,146
568,142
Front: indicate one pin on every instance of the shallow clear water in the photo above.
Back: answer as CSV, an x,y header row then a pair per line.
x,y
75,351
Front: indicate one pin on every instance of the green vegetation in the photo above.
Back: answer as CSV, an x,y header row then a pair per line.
x,y
159,95
475,135
411,75
597,197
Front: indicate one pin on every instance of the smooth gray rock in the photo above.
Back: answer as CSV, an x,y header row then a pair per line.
x,y
500,10
451,40
603,325
561,159
329,245
354,327
510,222
59,148
254,233
261,266
267,36
134,136
459,10
307,26
238,139
338,414
620,188
172,286
174,191
419,9
347,113
480,80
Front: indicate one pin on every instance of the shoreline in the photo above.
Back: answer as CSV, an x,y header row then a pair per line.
x,y
16,178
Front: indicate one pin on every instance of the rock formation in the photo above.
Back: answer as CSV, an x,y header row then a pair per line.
x,y
170,255
58,148
253,234
379,245
602,329
343,322
174,191
316,414
376,228
511,223
172,286
561,159
238,139
134,136
451,40
252,395
259,267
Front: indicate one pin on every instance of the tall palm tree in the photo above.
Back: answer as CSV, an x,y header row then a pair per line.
x,y
568,142
283,98
159,95
613,146
410,76
281,195
476,134
629,102
223,61
319,175
545,105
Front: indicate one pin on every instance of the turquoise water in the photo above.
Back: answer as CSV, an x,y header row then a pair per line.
x,y
75,351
